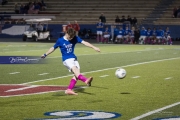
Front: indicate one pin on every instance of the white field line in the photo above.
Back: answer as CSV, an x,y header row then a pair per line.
x,y
38,92
155,111
168,78
43,74
14,73
110,53
104,76
23,88
102,70
22,51
88,54
136,77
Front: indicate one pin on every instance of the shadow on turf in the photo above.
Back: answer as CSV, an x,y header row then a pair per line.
x,y
125,93
78,90
99,87
82,91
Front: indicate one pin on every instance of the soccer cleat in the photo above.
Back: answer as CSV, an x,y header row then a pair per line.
x,y
70,92
88,81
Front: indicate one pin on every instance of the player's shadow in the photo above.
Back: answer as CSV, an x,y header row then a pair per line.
x,y
82,90
99,87
125,93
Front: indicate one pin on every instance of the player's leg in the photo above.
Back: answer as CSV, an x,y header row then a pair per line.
x,y
81,77
132,40
72,84
97,38
101,36
169,40
74,67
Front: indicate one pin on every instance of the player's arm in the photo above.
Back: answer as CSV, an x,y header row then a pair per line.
x,y
48,52
90,45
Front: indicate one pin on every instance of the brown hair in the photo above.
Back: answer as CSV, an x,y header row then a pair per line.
x,y
71,32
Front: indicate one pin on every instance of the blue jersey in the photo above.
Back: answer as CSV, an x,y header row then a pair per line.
x,y
132,32
127,32
154,32
67,47
143,32
166,33
149,33
106,31
121,32
99,24
116,31
160,33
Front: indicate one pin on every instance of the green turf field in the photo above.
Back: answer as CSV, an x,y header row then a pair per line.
x,y
150,91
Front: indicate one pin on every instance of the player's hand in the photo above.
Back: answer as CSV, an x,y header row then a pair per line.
x,y
97,49
43,56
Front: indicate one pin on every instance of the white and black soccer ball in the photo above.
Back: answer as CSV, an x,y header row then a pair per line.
x,y
120,73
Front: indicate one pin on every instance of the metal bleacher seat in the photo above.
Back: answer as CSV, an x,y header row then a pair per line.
x,y
88,12
166,18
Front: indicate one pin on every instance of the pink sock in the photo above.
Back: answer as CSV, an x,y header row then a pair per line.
x,y
82,78
72,84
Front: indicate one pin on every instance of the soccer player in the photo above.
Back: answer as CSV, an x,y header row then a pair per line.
x,y
69,25
127,33
106,35
132,35
149,36
154,35
160,35
99,27
143,34
120,35
76,27
114,34
67,44
167,36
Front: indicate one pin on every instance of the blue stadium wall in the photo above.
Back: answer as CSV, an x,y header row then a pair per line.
x,y
57,28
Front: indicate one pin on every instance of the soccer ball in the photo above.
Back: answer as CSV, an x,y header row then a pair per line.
x,y
120,73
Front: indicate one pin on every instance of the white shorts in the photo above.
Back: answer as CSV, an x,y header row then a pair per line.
x,y
106,36
159,37
126,36
142,37
69,63
131,36
119,36
99,32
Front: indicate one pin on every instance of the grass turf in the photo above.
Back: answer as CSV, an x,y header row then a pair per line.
x,y
129,97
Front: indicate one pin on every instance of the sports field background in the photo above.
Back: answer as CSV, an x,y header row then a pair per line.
x,y
150,91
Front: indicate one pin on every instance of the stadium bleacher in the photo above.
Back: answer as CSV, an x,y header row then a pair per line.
x,y
166,18
88,12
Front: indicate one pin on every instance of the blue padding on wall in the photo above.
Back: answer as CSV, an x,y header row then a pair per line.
x,y
15,31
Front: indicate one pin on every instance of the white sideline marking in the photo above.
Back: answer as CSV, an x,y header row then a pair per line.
x,y
23,88
24,50
138,51
155,111
174,53
168,78
39,92
101,70
43,74
14,73
136,77
104,76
